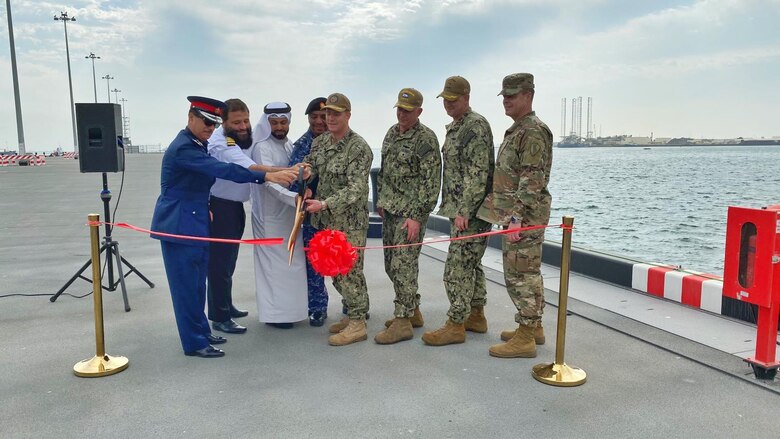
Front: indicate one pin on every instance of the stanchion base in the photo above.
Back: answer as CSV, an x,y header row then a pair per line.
x,y
100,366
763,370
560,375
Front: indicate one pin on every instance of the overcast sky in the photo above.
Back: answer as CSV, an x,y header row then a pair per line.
x,y
671,67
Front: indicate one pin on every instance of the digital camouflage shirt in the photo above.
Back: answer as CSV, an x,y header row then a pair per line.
x,y
410,176
522,174
468,166
342,167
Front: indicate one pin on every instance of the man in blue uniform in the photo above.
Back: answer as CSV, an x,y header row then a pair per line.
x,y
318,294
182,209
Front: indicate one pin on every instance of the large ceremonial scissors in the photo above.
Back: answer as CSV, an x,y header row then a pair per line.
x,y
300,213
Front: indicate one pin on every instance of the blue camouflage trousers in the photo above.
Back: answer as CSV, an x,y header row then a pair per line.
x,y
318,293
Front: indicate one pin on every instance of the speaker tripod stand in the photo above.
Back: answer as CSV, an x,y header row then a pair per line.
x,y
111,248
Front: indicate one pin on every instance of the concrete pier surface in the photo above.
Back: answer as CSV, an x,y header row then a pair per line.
x,y
643,381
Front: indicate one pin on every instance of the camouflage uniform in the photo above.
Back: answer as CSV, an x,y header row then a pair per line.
x,y
520,194
468,175
342,167
408,185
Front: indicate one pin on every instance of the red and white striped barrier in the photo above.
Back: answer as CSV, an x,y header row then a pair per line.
x,y
32,159
68,155
695,289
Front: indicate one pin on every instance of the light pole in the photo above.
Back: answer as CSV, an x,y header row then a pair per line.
x,y
108,79
65,19
116,94
93,57
17,100
124,118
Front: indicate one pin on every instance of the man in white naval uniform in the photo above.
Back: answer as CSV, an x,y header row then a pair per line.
x,y
230,143
282,291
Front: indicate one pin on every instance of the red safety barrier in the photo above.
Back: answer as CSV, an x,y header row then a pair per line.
x,y
751,274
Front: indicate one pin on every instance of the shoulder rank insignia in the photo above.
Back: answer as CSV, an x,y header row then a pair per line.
x,y
230,141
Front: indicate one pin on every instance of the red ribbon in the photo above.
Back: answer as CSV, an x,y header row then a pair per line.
x,y
260,241
478,235
329,252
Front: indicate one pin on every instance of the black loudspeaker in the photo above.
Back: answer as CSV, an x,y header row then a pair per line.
x,y
100,137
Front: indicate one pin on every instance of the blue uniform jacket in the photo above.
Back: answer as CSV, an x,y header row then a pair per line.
x,y
186,178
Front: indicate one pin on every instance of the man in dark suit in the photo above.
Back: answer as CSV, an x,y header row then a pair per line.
x,y
182,209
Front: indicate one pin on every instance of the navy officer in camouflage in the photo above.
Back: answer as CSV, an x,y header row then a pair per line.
x,y
408,186
519,199
342,161
468,176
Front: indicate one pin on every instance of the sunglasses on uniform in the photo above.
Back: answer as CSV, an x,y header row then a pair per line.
x,y
209,122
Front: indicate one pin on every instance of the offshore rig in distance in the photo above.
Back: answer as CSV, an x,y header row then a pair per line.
x,y
575,139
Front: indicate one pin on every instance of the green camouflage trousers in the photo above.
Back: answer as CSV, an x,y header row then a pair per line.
x,y
523,278
464,279
352,286
401,264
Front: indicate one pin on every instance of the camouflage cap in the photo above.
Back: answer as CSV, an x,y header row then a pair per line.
x,y
338,102
515,83
409,99
455,87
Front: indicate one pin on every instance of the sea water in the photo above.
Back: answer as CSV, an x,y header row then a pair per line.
x,y
663,204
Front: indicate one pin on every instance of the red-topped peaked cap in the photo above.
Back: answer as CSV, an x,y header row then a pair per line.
x,y
208,108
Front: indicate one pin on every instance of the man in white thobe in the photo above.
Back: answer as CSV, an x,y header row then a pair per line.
x,y
281,288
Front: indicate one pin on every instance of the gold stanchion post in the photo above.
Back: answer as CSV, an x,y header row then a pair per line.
x,y
101,364
559,373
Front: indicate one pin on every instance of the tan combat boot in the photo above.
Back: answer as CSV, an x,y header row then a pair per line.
x,y
416,319
521,345
450,333
399,330
508,334
353,333
538,334
338,326
476,321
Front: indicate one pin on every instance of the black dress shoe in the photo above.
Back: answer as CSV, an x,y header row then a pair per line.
x,y
230,327
281,325
236,313
317,318
207,352
215,339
